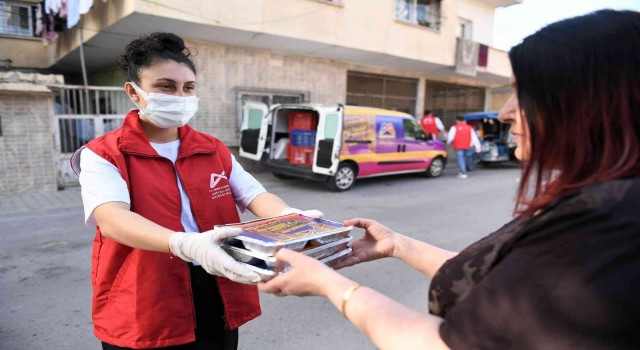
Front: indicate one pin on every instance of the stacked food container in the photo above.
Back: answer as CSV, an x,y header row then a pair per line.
x,y
256,246
302,136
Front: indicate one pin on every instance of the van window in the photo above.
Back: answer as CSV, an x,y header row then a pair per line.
x,y
410,129
331,126
255,119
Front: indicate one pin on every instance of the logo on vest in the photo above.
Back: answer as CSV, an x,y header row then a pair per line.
x,y
223,189
215,179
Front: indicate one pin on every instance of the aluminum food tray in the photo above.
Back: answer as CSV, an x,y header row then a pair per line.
x,y
321,250
270,250
313,250
331,238
297,245
260,237
330,261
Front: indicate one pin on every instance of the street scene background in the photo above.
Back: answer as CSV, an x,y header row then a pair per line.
x,y
61,86
45,256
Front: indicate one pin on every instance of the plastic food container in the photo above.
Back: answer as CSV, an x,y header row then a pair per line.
x,y
292,231
267,274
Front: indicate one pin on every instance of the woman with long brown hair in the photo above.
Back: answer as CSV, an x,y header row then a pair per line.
x,y
564,274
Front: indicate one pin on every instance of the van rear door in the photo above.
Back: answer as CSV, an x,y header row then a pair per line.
x,y
328,140
255,124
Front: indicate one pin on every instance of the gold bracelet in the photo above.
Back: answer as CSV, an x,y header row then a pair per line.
x,y
346,297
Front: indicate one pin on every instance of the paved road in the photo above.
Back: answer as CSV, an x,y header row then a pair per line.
x,y
45,256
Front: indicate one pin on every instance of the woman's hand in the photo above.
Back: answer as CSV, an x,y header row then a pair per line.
x,y
378,242
307,277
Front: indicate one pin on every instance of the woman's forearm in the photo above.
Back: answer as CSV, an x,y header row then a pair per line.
x,y
389,324
421,256
117,222
267,205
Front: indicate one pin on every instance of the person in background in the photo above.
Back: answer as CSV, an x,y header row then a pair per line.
x,y
155,189
465,142
564,273
431,125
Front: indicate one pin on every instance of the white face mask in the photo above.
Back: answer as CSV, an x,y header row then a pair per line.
x,y
166,111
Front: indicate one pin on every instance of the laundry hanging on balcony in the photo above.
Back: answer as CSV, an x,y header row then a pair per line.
x,y
52,15
467,57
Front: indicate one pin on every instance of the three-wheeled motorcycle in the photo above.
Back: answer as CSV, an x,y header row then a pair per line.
x,y
495,138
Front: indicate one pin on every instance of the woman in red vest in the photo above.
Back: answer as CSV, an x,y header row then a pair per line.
x,y
564,274
155,189
431,125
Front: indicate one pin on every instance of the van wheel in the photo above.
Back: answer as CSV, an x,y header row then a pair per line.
x,y
436,167
344,178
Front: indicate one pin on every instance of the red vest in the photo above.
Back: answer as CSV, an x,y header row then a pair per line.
x,y
462,140
143,298
429,126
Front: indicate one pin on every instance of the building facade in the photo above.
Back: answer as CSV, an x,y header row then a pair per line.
x,y
406,55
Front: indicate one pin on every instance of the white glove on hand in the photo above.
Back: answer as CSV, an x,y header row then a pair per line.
x,y
205,248
316,214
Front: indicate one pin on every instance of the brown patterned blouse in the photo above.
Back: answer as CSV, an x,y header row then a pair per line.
x,y
568,278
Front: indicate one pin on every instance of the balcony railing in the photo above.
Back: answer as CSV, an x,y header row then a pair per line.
x,y
84,113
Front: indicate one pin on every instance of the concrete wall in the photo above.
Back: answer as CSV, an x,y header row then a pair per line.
x,y
26,144
498,63
498,99
360,24
26,53
481,14
224,69
342,25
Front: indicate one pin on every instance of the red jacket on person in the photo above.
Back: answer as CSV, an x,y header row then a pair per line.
x,y
429,125
142,299
462,138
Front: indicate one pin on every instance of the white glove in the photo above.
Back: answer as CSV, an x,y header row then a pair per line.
x,y
205,248
316,214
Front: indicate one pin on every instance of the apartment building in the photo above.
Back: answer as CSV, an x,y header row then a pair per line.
x,y
406,55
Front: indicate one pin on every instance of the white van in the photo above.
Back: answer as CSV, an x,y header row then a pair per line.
x,y
337,144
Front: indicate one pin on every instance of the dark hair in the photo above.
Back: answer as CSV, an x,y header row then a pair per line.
x,y
578,83
148,49
460,117
427,111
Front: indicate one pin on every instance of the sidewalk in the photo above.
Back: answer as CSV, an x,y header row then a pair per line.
x,y
40,202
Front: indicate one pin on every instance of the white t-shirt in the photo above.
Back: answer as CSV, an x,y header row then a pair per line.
x,y
102,183
439,124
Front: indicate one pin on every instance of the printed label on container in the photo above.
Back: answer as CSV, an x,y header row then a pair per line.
x,y
287,229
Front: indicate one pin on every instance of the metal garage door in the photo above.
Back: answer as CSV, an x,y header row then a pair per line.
x,y
381,91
